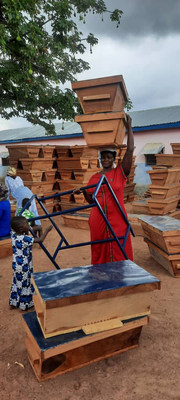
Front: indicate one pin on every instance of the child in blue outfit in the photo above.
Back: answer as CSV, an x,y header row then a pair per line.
x,y
22,289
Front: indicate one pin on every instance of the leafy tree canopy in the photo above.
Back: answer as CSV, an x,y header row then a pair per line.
x,y
40,48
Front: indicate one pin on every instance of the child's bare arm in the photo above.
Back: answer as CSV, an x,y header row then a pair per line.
x,y
37,229
41,238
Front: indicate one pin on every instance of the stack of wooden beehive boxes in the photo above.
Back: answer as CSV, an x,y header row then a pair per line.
x,y
162,234
37,167
165,187
85,314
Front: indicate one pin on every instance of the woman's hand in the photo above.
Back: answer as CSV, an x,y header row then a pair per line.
x,y
77,191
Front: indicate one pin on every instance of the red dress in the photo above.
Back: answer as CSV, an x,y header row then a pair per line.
x,y
109,251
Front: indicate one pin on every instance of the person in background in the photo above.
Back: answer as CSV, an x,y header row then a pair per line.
x,y
18,191
5,212
26,213
116,176
22,289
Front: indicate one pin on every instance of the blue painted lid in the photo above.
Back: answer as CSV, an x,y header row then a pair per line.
x,y
59,284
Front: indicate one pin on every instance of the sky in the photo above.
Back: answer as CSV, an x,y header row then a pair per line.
x,y
145,49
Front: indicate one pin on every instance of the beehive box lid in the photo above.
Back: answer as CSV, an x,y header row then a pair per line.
x,y
90,279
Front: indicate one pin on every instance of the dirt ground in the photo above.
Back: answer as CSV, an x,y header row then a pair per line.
x,y
150,371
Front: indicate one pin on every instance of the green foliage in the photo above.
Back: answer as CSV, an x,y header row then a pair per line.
x,y
40,48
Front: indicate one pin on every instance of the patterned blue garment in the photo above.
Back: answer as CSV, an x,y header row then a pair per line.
x,y
22,289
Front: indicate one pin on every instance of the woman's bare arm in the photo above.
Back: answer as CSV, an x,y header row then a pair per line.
x,y
127,160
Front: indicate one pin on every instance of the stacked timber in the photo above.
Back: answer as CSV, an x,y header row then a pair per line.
x,y
37,167
162,234
77,324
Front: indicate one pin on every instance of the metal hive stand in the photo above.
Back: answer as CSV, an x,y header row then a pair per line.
x,y
63,244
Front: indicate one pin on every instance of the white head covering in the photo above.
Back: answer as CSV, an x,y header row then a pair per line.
x,y
110,149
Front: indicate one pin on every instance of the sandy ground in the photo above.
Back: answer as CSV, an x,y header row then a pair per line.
x,y
150,371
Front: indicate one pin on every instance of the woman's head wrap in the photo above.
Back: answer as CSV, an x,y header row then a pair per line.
x,y
11,171
3,191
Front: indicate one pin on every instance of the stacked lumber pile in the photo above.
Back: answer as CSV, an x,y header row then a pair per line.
x,y
162,234
77,324
165,187
37,167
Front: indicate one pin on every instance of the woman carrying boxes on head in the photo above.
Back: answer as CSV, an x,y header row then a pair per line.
x,y
116,176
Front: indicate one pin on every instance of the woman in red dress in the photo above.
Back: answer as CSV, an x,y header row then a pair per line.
x,y
110,251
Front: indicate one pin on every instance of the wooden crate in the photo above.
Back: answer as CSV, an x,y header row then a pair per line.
x,y
47,151
171,160
64,353
41,164
164,192
77,221
5,247
39,187
163,231
65,205
85,174
23,151
31,175
161,207
112,290
164,176
49,176
103,129
66,173
63,151
171,262
175,148
140,207
102,94
72,163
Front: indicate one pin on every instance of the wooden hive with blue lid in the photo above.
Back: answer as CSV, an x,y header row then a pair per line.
x,y
74,298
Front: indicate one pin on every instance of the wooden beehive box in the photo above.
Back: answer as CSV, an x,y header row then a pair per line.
x,y
163,231
102,94
31,175
85,174
101,130
55,356
175,148
23,151
72,163
70,298
140,207
77,221
164,176
164,192
63,151
41,164
39,187
161,207
171,262
49,176
171,160
47,151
